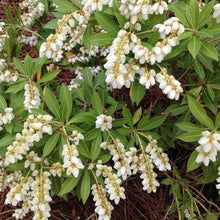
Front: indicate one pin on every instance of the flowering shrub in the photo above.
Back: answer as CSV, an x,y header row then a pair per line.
x,y
56,137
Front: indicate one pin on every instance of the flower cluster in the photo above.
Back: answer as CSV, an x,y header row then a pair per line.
x,y
141,9
159,158
147,77
216,14
121,162
209,146
8,75
32,97
218,181
104,122
103,206
31,160
112,182
76,137
35,9
116,59
18,191
95,5
41,197
143,163
52,49
6,117
56,169
31,40
71,160
34,128
169,85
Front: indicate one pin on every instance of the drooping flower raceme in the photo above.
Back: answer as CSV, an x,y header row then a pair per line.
x,y
116,59
6,117
32,97
169,85
159,158
103,206
71,160
112,182
34,128
121,162
41,195
104,122
209,146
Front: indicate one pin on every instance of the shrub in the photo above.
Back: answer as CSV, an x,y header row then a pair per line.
x,y
55,138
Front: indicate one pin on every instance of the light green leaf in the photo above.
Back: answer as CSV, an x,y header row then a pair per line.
x,y
137,92
49,76
97,103
191,136
194,46
69,184
191,164
50,144
107,23
154,123
85,186
199,112
209,50
52,102
95,147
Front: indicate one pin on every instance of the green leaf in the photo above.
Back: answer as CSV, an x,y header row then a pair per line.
x,y
154,123
19,66
38,65
69,184
143,122
137,116
3,104
86,36
85,186
56,184
204,15
137,92
194,46
86,117
209,50
192,13
199,112
176,109
107,23
64,6
210,174
212,216
28,65
66,97
101,39
95,147
83,149
190,136
50,144
87,75
97,103
188,126
16,88
49,76
52,102
199,69
7,140
191,164
92,134
217,121
52,24
205,33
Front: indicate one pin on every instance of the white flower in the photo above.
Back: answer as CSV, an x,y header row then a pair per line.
x,y
147,78
209,145
76,136
104,122
216,13
31,160
71,160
